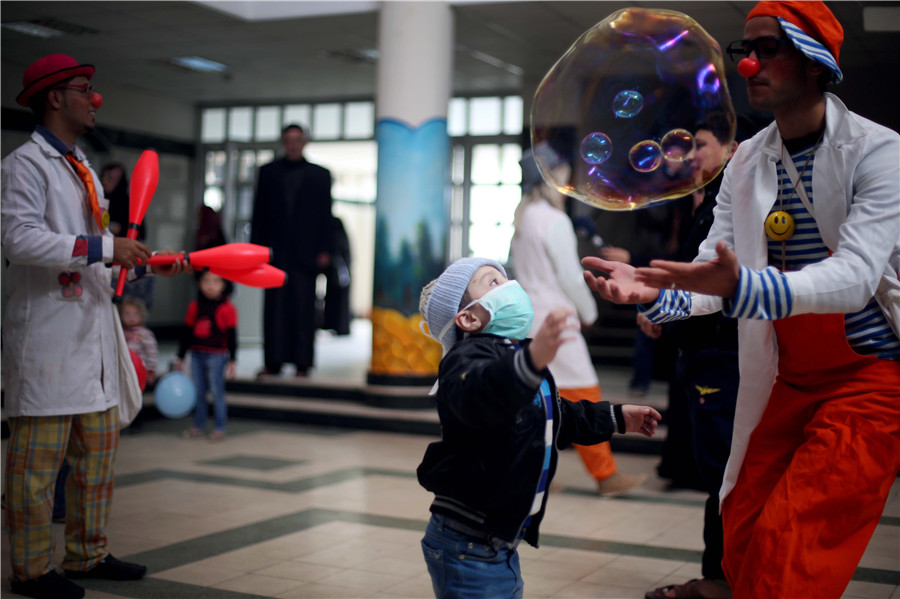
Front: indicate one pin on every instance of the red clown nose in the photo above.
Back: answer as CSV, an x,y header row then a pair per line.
x,y
97,100
748,67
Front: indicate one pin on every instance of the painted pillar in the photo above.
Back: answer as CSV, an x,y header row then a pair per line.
x,y
415,69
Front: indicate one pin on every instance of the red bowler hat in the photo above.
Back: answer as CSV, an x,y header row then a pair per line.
x,y
48,71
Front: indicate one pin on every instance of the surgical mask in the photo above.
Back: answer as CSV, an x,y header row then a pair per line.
x,y
510,310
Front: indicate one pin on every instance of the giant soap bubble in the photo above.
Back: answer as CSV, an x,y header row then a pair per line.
x,y
622,104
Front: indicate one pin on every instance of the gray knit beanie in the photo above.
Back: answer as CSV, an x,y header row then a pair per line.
x,y
439,308
531,174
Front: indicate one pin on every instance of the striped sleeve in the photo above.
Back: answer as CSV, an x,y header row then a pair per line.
x,y
761,295
671,305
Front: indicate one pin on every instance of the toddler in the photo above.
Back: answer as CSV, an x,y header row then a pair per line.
x,y
140,339
210,333
502,423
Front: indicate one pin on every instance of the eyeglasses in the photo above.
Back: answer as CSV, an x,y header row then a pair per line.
x,y
87,89
765,47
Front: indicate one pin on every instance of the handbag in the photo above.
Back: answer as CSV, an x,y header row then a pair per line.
x,y
131,397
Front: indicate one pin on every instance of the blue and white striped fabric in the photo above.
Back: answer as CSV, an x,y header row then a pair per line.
x,y
544,397
669,307
761,295
766,295
812,49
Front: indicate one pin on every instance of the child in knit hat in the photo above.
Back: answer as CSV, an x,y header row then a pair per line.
x,y
502,422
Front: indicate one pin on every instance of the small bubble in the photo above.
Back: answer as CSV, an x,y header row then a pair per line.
x,y
596,148
645,156
677,144
628,103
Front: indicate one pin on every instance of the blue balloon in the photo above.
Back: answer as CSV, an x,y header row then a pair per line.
x,y
175,395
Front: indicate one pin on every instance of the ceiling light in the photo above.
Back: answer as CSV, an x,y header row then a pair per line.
x,y
198,63
47,28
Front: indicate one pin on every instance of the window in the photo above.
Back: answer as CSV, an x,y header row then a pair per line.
x,y
485,173
268,125
212,128
240,124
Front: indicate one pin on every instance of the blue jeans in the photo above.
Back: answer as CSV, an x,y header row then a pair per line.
x,y
463,566
208,372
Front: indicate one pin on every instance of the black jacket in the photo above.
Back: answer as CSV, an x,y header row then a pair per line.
x,y
485,469
292,214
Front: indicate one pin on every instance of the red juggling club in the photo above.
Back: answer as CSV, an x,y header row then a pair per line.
x,y
143,184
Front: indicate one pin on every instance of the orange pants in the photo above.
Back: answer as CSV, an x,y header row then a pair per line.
x,y
818,468
598,459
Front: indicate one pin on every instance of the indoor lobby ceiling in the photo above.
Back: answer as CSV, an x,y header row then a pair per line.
x,y
330,50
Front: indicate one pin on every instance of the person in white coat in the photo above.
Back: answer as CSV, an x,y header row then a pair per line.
x,y
811,208
545,258
60,353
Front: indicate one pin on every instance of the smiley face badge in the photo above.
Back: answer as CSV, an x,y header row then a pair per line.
x,y
779,225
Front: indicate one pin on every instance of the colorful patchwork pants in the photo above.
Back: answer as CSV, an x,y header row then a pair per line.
x,y
818,469
35,451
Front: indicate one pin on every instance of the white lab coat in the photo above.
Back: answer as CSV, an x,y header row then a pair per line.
x,y
59,353
856,197
544,255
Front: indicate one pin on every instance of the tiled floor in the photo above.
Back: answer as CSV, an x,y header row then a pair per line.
x,y
293,511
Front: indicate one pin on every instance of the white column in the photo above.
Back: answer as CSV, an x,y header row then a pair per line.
x,y
415,67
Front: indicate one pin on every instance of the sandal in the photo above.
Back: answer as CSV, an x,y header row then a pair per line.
x,y
697,588
193,433
217,436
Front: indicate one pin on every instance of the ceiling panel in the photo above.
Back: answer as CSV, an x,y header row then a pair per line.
x,y
312,58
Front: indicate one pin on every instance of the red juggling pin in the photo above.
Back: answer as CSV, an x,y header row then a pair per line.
x,y
143,184
234,256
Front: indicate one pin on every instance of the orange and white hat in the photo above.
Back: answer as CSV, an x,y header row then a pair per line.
x,y
812,27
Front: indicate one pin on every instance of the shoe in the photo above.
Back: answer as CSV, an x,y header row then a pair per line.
x,y
619,483
110,568
702,588
51,585
217,436
267,372
193,433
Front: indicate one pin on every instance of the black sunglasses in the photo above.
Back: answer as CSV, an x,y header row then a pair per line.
x,y
765,47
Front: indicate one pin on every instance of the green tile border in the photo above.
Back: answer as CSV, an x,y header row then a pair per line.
x,y
157,588
193,550
253,463
293,486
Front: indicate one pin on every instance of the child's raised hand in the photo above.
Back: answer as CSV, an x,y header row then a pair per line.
x,y
551,335
640,419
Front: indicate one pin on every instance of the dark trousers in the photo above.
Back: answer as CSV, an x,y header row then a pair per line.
x,y
710,381
289,322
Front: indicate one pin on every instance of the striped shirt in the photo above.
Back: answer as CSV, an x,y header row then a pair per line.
x,y
766,295
543,398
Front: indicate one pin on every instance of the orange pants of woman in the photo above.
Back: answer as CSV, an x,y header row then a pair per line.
x,y
598,459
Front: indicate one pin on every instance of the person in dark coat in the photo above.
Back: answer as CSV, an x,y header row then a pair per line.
x,y
336,304
292,215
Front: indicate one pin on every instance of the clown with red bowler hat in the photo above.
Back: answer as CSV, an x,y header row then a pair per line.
x,y
60,356
816,444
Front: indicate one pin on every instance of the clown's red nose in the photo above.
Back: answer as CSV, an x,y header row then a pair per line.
x,y
97,99
748,67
